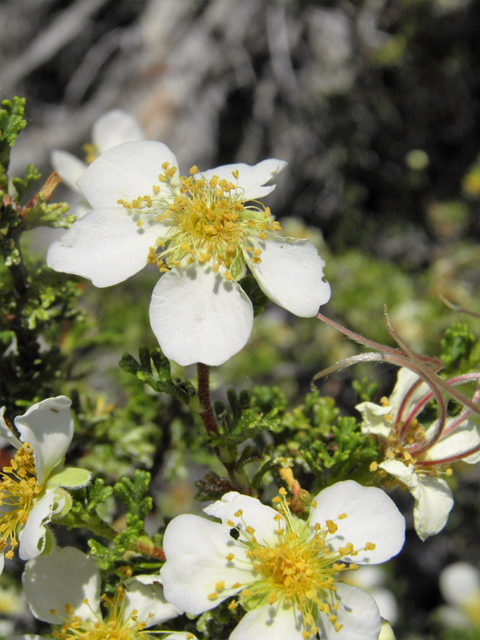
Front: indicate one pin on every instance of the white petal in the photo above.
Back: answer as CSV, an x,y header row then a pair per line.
x,y
105,246
371,517
32,537
68,167
6,433
432,508
386,603
367,577
126,171
358,614
459,440
181,635
458,582
64,576
113,128
270,623
81,209
197,316
2,562
433,498
146,597
48,428
255,514
291,274
196,551
250,178
374,419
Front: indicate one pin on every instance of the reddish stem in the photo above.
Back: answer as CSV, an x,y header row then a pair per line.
x,y
457,458
207,415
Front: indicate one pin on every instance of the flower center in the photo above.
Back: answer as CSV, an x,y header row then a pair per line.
x,y
113,627
398,446
207,221
299,571
402,444
18,489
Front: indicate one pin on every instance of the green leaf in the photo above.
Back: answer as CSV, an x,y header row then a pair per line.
x,y
89,498
243,421
134,494
162,382
457,344
23,185
11,123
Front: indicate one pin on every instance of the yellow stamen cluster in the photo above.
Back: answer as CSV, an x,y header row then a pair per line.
x,y
298,571
400,445
113,627
18,489
208,222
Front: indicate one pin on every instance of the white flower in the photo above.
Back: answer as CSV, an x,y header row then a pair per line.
x,y
201,233
64,588
411,454
111,129
282,569
30,491
460,587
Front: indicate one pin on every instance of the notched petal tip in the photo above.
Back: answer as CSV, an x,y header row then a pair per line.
x,y
291,275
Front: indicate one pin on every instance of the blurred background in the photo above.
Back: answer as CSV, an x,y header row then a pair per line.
x,y
375,104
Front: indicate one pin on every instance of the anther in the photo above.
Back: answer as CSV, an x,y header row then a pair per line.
x,y
331,526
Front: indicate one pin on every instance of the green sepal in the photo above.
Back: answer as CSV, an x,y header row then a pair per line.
x,y
49,543
69,477
61,493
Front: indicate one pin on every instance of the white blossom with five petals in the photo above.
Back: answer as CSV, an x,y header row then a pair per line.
x,y
201,231
410,454
282,570
63,588
31,485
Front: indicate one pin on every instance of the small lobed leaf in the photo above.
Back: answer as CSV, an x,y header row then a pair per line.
x,y
134,493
